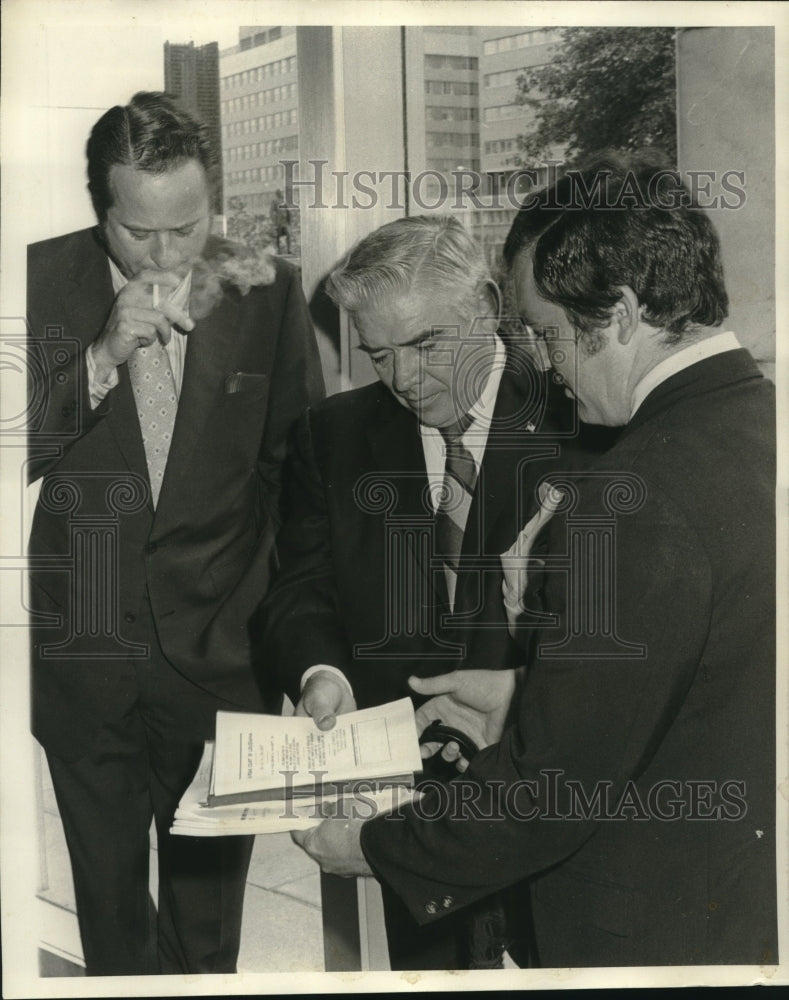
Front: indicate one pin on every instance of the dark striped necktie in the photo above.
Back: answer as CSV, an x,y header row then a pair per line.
x,y
460,478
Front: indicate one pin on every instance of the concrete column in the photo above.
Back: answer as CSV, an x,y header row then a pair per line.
x,y
350,120
726,125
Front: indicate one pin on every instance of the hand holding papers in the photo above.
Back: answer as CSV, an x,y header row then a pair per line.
x,y
336,846
266,773
260,757
324,697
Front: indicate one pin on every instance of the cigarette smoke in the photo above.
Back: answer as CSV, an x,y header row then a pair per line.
x,y
227,264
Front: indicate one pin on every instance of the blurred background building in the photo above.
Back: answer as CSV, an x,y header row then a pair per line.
x,y
191,73
260,113
460,85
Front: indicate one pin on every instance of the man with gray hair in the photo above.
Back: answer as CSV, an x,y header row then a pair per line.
x,y
405,492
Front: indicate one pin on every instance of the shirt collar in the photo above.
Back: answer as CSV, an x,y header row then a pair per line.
x,y
481,412
699,351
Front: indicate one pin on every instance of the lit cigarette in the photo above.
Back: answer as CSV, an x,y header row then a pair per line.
x,y
156,296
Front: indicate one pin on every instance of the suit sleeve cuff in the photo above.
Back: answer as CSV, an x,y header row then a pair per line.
x,y
98,390
384,844
324,666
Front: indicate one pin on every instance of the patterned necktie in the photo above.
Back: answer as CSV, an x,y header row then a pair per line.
x,y
460,478
156,400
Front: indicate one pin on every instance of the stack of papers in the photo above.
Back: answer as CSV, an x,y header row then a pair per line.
x,y
268,774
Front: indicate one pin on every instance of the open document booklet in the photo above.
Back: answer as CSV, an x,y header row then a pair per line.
x,y
269,773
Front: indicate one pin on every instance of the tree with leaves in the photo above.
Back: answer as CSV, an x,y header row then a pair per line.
x,y
252,229
606,88
258,230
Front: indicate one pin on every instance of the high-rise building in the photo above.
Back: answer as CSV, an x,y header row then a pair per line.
x,y
260,115
451,88
461,109
461,103
505,53
191,73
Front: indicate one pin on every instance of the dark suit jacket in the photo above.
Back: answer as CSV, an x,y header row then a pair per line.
x,y
692,700
359,587
97,547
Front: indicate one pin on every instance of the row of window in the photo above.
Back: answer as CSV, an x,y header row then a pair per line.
x,y
539,36
500,112
444,164
451,62
507,78
458,87
251,126
262,199
261,38
271,96
433,139
259,73
271,147
501,145
434,114
455,29
271,173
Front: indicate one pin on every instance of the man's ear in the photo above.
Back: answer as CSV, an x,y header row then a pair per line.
x,y
626,315
489,301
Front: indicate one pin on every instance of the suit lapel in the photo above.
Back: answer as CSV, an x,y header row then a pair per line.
x,y
399,457
88,303
503,497
209,354
398,454
89,296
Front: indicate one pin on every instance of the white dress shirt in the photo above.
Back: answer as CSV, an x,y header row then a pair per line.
x,y
474,438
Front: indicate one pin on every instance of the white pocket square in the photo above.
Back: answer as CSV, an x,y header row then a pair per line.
x,y
515,561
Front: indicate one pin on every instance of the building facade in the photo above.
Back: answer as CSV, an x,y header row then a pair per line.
x,y
463,114
191,73
505,53
260,120
460,86
450,71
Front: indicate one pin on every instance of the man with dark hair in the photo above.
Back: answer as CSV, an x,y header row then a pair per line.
x,y
167,367
150,133
636,790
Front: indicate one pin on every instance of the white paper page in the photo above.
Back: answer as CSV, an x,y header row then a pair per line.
x,y
194,818
264,752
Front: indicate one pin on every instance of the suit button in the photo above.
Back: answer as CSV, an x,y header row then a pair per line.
x,y
151,547
447,901
129,617
431,907
61,378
